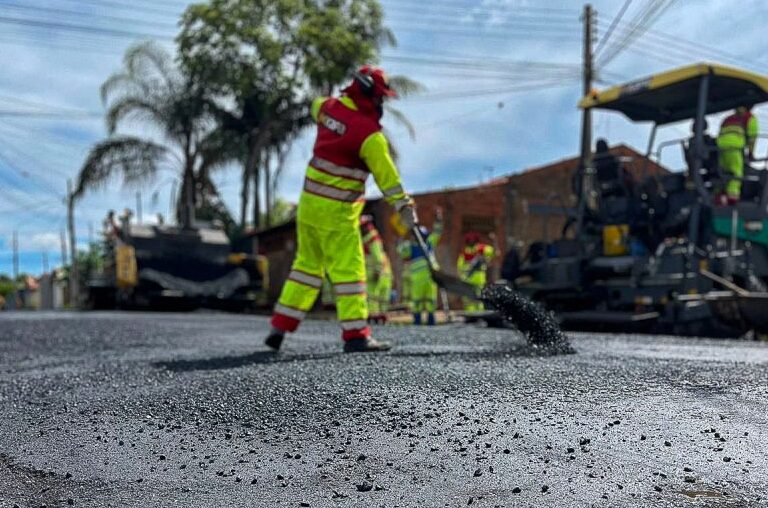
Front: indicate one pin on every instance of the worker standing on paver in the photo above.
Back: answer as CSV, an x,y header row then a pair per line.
x,y
423,290
738,134
349,146
378,271
472,266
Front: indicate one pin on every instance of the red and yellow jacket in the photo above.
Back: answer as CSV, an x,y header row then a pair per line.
x,y
349,147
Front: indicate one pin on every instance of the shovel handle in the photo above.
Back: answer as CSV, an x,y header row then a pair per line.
x,y
428,254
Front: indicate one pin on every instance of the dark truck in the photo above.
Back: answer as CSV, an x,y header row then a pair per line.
x,y
172,268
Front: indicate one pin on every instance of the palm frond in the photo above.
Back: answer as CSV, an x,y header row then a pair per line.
x,y
405,86
133,108
134,159
123,83
401,119
149,62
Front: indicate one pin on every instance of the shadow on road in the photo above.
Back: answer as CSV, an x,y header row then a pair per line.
x,y
234,362
269,357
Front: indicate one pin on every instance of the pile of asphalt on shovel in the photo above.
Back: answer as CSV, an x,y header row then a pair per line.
x,y
531,319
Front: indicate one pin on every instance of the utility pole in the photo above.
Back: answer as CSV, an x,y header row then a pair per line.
x,y
74,291
63,239
138,207
585,158
589,77
15,255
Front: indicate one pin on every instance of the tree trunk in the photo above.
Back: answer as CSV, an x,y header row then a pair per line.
x,y
267,191
256,196
186,202
245,193
74,290
258,144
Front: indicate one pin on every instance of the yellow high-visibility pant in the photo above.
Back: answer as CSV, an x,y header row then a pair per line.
x,y
378,293
478,281
337,251
405,298
423,288
731,146
732,161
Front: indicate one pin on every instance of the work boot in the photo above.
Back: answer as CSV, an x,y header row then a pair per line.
x,y
275,339
366,346
431,319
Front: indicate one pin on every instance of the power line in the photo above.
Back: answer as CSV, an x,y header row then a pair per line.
x,y
612,27
487,5
44,186
665,44
128,7
94,16
643,21
85,115
465,94
81,28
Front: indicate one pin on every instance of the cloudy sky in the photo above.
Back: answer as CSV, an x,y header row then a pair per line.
x,y
502,80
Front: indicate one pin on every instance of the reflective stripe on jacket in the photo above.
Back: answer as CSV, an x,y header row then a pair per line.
x,y
349,146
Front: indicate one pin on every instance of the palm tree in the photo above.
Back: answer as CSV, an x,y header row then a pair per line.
x,y
177,132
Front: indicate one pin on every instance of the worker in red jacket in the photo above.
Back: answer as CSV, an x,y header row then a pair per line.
x,y
472,266
349,147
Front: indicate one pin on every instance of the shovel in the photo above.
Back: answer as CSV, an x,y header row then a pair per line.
x,y
450,283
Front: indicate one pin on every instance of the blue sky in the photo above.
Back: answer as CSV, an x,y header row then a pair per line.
x,y
501,75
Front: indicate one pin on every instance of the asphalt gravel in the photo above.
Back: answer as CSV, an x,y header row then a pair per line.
x,y
110,409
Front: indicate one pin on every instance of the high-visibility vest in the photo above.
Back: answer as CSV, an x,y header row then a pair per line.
x,y
349,146
737,131
474,258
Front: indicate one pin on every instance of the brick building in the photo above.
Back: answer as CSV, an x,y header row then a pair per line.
x,y
518,208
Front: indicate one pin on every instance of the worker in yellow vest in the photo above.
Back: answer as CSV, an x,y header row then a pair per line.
x,y
738,134
423,290
378,271
348,148
472,266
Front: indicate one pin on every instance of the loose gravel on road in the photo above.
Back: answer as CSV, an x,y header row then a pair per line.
x,y
172,410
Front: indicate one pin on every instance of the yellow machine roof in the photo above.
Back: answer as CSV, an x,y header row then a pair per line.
x,y
673,95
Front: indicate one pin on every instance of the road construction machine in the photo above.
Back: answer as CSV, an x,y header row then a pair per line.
x,y
663,255
158,267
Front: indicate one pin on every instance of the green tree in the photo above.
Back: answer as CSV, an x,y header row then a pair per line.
x,y
152,94
262,61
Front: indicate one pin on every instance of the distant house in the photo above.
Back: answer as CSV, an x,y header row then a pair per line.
x,y
519,208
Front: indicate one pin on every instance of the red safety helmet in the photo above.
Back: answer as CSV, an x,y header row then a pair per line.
x,y
366,221
373,82
472,238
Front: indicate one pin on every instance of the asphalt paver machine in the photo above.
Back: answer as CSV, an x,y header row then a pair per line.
x,y
661,255
172,268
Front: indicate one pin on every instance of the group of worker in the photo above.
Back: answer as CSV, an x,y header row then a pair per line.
x,y
336,243
419,291
733,147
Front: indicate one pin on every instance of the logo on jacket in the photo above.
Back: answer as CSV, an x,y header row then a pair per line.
x,y
332,124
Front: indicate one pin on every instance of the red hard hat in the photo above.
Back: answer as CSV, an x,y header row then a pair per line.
x,y
472,237
374,82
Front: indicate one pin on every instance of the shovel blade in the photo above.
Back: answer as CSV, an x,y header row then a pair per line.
x,y
454,284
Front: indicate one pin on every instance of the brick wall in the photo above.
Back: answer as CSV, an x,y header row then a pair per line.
x,y
509,207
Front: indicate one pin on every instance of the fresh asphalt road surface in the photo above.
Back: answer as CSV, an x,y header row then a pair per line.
x,y
111,409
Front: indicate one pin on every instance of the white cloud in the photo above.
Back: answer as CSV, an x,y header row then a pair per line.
x,y
40,242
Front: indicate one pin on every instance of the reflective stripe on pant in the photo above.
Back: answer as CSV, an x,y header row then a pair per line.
x,y
339,253
378,294
732,161
478,280
423,290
